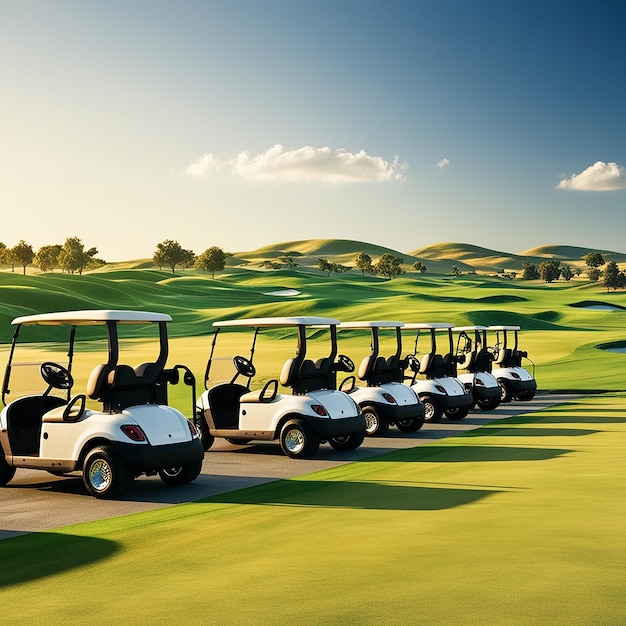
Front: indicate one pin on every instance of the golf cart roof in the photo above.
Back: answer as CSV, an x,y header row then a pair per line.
x,y
426,326
92,318
466,328
376,324
503,327
258,322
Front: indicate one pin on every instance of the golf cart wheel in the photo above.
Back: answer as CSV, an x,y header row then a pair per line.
x,y
6,471
298,440
525,396
237,441
206,437
411,425
506,392
375,424
105,473
181,474
488,404
457,413
347,442
432,410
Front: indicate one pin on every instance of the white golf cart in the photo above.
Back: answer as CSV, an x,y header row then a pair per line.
x,y
131,432
385,400
314,412
515,381
474,364
439,389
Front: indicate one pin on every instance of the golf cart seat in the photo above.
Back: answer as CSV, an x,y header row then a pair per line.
x,y
224,404
290,371
467,361
503,357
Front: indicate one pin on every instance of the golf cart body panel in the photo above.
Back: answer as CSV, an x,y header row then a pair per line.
x,y
133,424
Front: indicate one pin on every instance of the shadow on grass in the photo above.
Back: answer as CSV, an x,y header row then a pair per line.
x,y
355,495
525,431
36,555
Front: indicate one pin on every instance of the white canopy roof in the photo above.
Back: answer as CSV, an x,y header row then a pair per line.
x,y
466,328
503,327
376,324
426,325
92,317
258,322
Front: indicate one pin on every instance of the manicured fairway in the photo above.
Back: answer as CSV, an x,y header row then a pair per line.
x,y
520,522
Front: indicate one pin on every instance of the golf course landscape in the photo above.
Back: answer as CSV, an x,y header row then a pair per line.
x,y
520,521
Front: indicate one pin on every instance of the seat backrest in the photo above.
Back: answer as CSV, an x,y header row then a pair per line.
x,y
98,382
367,365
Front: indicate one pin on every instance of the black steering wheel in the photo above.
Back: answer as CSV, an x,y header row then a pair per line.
x,y
56,375
244,366
347,364
413,363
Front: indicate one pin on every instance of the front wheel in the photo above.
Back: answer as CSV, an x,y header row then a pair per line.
x,y
432,410
6,471
181,474
506,391
298,440
206,437
105,473
457,413
411,425
525,396
375,424
488,404
347,442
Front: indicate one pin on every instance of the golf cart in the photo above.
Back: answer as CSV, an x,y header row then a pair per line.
x,y
305,411
385,400
515,381
438,388
131,432
474,363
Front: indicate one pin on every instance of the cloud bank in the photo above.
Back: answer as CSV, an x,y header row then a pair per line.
x,y
600,176
443,163
303,164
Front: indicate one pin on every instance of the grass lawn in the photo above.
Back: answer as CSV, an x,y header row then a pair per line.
x,y
519,522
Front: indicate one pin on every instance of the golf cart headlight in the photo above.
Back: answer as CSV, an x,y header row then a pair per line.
x,y
133,432
440,389
389,398
479,382
516,375
320,410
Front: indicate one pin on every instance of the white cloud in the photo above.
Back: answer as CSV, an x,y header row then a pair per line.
x,y
600,176
443,163
304,164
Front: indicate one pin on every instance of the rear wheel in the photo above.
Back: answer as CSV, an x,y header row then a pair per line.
x,y
506,392
410,425
432,410
488,404
375,424
181,474
298,440
525,396
457,413
105,473
347,442
206,437
6,471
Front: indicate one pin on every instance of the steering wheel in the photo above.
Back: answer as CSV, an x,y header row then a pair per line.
x,y
244,366
347,365
413,363
56,375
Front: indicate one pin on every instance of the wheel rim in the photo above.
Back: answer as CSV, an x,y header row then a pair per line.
x,y
100,475
405,422
429,410
294,440
172,472
371,422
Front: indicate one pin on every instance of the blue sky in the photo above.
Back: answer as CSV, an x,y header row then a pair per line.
x,y
242,123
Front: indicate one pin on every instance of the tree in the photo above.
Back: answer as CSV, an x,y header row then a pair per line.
x,y
456,271
566,272
212,260
594,274
593,259
170,253
22,254
47,257
363,261
420,267
610,276
324,265
287,259
549,271
3,250
529,271
388,265
189,259
73,257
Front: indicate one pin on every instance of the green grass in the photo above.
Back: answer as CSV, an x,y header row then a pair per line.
x,y
520,522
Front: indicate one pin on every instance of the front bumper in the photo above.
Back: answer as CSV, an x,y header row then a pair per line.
x,y
395,413
148,458
326,427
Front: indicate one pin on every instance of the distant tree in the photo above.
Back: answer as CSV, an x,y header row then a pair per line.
x,y
621,280
388,265
457,272
594,273
270,265
47,257
549,271
212,260
593,259
363,261
566,272
170,253
340,269
22,254
529,271
3,250
189,259
324,265
420,267
287,259
73,257
610,276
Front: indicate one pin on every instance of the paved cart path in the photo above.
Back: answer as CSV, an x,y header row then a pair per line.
x,y
36,501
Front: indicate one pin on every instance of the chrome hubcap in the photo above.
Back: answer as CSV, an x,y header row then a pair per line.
x,y
100,475
371,422
294,440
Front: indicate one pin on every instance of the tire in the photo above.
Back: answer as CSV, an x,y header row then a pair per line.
x,y
6,471
525,396
375,424
506,392
206,437
181,474
457,413
237,441
298,440
347,442
488,404
105,473
432,410
410,425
